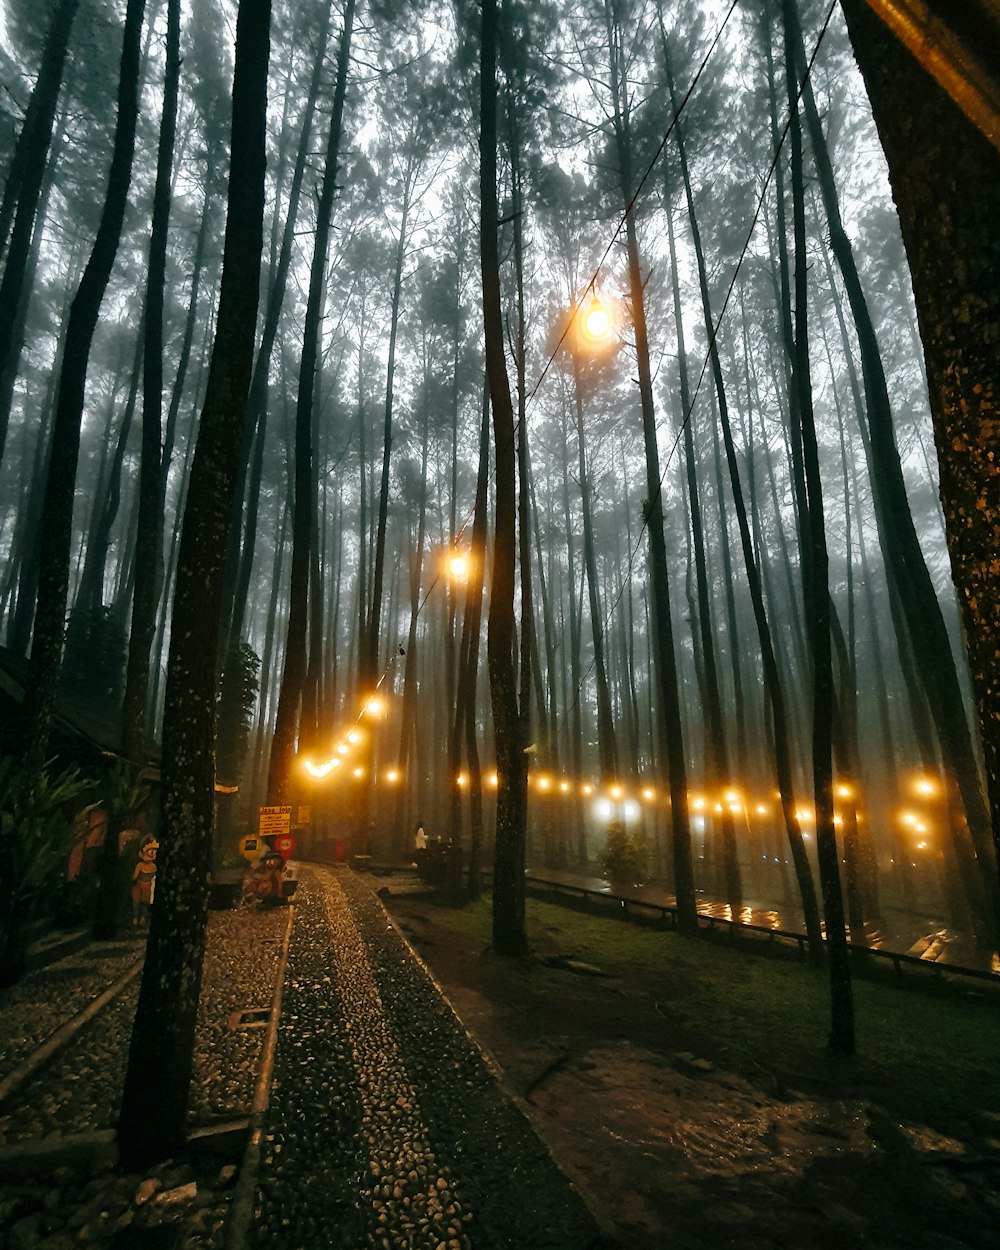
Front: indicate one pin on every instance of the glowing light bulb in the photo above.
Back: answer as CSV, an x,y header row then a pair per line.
x,y
596,321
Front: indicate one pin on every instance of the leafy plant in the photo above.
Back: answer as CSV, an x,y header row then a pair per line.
x,y
39,826
236,702
624,855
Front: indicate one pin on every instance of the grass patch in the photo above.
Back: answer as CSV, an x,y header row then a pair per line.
x,y
927,1049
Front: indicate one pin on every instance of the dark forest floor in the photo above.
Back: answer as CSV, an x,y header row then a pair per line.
x,y
686,1089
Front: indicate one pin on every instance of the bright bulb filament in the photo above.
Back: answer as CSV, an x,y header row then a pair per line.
x,y
597,322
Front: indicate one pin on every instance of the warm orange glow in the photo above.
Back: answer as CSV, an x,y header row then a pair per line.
x,y
564,787
804,816
697,803
732,796
462,780
392,776
616,792
318,770
458,566
342,749
843,791
375,706
359,772
492,780
588,789
597,321
908,818
760,809
649,793
926,786
353,737
544,783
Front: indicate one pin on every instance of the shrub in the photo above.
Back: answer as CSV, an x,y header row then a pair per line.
x,y
39,826
624,855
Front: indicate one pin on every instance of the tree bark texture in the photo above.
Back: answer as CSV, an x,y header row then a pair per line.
x,y
945,180
154,1103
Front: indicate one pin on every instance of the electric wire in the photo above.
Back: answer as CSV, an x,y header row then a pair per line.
x,y
713,337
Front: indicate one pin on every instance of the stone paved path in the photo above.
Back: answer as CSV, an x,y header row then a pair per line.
x,y
386,1128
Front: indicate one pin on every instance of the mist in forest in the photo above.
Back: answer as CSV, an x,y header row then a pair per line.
x,y
709,334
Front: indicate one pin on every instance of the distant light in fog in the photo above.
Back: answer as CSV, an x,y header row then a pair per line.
x,y
603,810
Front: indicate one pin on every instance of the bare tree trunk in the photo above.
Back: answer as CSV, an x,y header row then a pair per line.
x,y
24,180
293,675
57,513
154,1102
509,936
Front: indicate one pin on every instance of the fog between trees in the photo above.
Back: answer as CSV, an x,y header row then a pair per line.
x,y
358,457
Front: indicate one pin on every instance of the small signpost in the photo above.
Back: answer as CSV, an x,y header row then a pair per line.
x,y
284,844
250,846
274,821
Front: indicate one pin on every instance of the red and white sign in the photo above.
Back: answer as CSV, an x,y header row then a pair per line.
x,y
284,844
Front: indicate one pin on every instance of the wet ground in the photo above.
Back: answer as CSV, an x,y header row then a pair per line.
x,y
674,1145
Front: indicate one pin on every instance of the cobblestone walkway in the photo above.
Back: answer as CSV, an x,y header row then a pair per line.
x,y
386,1129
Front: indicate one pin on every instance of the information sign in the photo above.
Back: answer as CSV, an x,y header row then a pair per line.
x,y
251,845
273,821
284,844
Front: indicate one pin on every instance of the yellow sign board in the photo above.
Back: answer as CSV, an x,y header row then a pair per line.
x,y
272,821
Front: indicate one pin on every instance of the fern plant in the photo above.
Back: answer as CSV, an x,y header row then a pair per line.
x,y
39,826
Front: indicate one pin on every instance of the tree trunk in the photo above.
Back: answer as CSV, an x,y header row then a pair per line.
x,y
149,529
57,514
293,675
154,1102
509,936
817,596
946,182
666,660
24,180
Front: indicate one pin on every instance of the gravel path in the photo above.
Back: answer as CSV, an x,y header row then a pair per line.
x,y
386,1128
34,1008
77,1198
